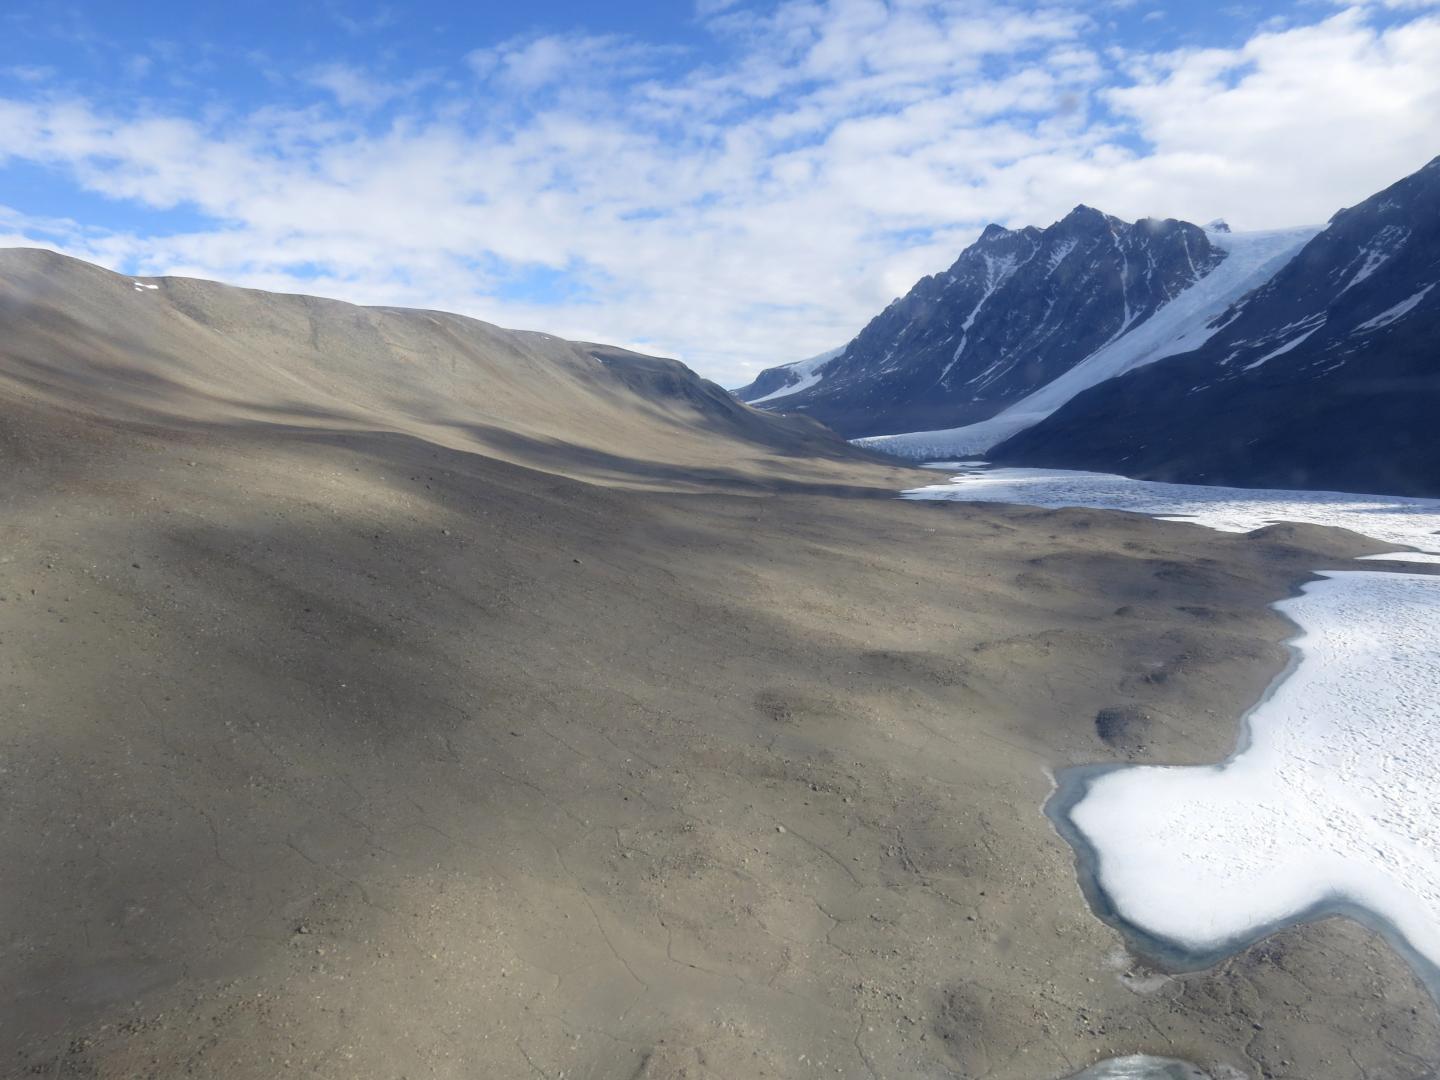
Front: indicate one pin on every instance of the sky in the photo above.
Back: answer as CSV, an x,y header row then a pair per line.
x,y
737,183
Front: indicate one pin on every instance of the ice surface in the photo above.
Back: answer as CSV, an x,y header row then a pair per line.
x,y
809,373
1333,797
1392,519
1181,325
140,286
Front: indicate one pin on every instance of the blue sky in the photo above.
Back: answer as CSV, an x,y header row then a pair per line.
x,y
736,183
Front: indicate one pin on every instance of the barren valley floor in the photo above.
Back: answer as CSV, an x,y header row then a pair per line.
x,y
343,739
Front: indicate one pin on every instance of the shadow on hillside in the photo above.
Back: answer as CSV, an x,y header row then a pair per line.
x,y
302,701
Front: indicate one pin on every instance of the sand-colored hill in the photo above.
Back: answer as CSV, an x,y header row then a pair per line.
x,y
385,694
198,354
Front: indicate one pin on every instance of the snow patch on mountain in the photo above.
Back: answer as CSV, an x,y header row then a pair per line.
x,y
997,272
1183,324
1392,314
1061,253
1286,347
1377,253
808,374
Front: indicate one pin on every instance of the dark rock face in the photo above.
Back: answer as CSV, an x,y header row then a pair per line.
x,y
769,381
800,374
1016,309
1326,377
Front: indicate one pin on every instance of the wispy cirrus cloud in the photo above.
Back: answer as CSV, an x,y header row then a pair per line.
x,y
525,65
741,204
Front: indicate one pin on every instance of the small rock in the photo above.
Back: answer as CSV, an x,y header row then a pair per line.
x,y
779,828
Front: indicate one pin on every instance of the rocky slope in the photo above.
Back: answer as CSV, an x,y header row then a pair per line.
x,y
1326,377
1016,310
787,379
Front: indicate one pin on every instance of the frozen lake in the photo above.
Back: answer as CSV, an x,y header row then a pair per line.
x,y
1388,518
1331,802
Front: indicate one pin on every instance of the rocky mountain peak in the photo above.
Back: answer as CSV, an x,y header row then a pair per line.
x,y
1016,309
1325,376
1085,218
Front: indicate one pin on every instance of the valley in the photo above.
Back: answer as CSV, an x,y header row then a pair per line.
x,y
1299,358
532,708
720,540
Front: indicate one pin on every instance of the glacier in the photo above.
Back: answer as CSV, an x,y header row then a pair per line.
x,y
1183,324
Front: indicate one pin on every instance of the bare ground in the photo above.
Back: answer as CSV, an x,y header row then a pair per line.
x,y
379,744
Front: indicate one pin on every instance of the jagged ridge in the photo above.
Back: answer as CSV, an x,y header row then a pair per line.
x,y
1017,309
1328,376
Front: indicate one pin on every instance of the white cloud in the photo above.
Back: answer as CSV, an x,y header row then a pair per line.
x,y
356,89
31,73
528,64
1289,127
351,87
381,18
751,211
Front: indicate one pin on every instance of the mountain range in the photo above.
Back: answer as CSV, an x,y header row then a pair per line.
x,y
1009,315
1303,357
1328,376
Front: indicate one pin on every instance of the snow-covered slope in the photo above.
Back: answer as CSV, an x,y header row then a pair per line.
x,y
1017,309
1327,376
1180,325
787,378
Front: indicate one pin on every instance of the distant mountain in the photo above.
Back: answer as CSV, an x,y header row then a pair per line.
x,y
786,379
1182,325
1018,309
1328,376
